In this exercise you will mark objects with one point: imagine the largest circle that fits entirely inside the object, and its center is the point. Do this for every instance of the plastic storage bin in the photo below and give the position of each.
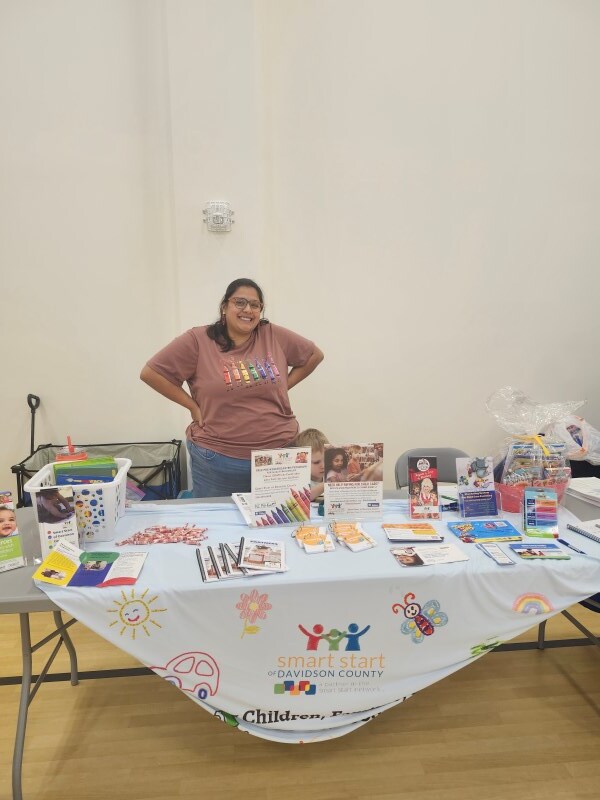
(155, 471)
(98, 506)
(511, 497)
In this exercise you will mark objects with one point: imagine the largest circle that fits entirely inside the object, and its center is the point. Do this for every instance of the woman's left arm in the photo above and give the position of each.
(297, 374)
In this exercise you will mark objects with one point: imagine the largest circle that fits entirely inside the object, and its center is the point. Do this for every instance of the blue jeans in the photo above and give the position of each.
(215, 475)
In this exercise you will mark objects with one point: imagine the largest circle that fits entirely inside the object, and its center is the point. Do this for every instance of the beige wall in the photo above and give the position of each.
(415, 185)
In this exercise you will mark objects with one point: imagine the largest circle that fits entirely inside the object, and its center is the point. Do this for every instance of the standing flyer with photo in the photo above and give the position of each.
(11, 554)
(55, 512)
(476, 490)
(354, 481)
(280, 486)
(423, 488)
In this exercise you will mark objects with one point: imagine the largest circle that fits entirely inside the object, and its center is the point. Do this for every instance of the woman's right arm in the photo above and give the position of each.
(171, 391)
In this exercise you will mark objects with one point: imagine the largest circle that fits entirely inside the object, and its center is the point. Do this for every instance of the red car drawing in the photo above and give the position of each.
(196, 673)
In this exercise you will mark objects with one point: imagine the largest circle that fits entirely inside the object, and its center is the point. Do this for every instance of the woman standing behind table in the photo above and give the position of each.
(237, 373)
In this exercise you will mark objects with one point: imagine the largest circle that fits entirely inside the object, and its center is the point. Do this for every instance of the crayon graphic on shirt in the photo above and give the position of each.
(245, 373)
(236, 373)
(227, 377)
(253, 371)
(261, 370)
(273, 365)
(269, 370)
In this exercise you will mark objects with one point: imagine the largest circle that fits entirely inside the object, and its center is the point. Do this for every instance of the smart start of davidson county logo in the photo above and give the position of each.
(323, 659)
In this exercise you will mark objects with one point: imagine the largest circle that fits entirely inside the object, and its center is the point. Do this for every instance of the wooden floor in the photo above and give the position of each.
(521, 725)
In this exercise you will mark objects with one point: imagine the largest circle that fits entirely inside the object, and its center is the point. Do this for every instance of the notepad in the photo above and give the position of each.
(591, 529)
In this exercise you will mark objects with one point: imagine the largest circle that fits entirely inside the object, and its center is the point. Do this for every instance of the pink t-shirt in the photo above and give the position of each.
(242, 394)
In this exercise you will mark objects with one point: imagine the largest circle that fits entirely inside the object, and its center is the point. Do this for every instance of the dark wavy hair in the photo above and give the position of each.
(218, 330)
(331, 453)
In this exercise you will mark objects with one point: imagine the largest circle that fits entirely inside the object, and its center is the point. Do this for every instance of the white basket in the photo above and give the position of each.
(98, 506)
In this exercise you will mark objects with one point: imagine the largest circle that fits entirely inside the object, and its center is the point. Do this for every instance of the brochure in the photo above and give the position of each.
(476, 491)
(540, 512)
(262, 554)
(423, 488)
(539, 550)
(280, 483)
(11, 553)
(485, 530)
(352, 535)
(411, 532)
(67, 565)
(427, 555)
(314, 539)
(353, 487)
(55, 510)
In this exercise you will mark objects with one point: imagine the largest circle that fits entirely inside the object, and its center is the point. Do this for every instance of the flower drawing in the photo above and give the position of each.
(253, 606)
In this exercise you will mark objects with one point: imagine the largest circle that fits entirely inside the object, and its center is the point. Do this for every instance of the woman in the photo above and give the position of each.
(237, 373)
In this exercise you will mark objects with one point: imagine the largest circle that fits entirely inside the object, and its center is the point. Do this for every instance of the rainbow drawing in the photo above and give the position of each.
(532, 604)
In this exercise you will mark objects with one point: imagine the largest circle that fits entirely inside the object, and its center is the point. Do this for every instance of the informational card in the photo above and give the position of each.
(411, 532)
(280, 484)
(476, 491)
(11, 554)
(529, 550)
(67, 565)
(423, 499)
(427, 555)
(354, 481)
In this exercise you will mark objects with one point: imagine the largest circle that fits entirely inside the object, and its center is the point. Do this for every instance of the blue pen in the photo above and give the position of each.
(570, 546)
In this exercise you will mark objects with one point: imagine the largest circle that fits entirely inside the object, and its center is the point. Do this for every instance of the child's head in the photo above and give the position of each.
(336, 459)
(8, 521)
(316, 440)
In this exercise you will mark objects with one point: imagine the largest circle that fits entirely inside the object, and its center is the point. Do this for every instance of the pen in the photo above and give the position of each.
(570, 546)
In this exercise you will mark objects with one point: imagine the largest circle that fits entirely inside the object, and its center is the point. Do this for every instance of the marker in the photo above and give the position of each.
(570, 546)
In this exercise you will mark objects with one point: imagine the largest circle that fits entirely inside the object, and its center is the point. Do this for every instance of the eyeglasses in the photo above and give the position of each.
(241, 303)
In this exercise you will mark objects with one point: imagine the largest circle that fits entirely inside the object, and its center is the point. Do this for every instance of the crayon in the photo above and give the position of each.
(253, 371)
(287, 514)
(296, 510)
(301, 501)
(245, 372)
(261, 369)
(273, 365)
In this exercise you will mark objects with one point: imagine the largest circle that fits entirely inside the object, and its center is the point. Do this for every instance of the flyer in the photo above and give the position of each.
(423, 488)
(55, 511)
(67, 565)
(476, 490)
(354, 481)
(280, 482)
(11, 553)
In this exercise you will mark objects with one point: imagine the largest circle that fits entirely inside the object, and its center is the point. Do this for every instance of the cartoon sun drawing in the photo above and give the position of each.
(135, 612)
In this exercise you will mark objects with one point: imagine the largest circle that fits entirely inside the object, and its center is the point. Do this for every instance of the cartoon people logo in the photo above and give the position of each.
(135, 613)
(252, 606)
(334, 637)
(421, 621)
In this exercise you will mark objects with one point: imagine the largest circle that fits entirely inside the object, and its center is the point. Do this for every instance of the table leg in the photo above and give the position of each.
(26, 653)
(58, 621)
(28, 693)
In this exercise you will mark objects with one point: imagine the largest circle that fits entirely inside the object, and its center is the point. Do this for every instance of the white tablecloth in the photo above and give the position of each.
(250, 651)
